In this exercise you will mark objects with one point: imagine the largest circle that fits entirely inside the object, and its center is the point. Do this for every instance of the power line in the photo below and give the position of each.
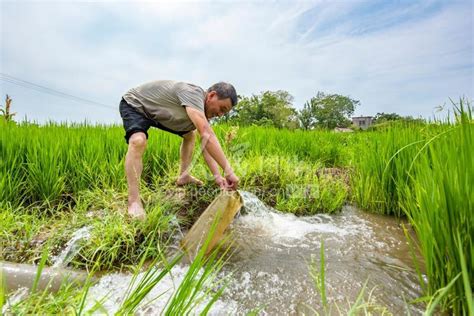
(33, 86)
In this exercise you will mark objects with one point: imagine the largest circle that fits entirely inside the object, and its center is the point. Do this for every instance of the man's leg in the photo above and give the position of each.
(187, 148)
(133, 169)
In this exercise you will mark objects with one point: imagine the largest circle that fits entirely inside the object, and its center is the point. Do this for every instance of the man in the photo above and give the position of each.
(179, 108)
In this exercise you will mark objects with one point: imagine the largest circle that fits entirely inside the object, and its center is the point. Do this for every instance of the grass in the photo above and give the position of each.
(57, 178)
(427, 174)
(364, 304)
(438, 200)
(198, 286)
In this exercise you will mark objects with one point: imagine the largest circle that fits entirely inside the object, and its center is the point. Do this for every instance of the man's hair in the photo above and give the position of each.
(224, 90)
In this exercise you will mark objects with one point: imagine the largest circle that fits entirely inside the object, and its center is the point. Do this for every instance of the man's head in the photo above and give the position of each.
(220, 99)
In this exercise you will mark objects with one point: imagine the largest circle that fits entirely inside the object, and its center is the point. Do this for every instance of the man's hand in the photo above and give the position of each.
(232, 181)
(220, 181)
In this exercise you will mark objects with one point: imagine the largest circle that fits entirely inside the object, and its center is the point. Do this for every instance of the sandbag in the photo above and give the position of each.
(223, 209)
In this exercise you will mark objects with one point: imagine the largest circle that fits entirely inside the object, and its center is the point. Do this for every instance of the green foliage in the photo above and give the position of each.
(322, 195)
(426, 172)
(198, 286)
(57, 178)
(293, 186)
(384, 117)
(305, 117)
(318, 276)
(192, 290)
(361, 306)
(327, 111)
(267, 109)
(382, 161)
(52, 163)
(389, 120)
(438, 199)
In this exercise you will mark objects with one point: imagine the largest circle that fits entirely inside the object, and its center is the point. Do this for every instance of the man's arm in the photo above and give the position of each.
(208, 138)
(221, 181)
(211, 163)
(210, 143)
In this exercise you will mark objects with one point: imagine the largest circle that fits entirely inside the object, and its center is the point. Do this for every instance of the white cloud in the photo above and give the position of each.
(98, 50)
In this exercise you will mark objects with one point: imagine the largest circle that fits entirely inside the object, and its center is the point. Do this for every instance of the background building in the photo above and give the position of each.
(363, 121)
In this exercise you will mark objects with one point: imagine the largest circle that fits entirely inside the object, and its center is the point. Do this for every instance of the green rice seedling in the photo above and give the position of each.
(361, 306)
(151, 277)
(56, 161)
(319, 276)
(12, 176)
(438, 200)
(425, 173)
(18, 231)
(189, 293)
(465, 278)
(46, 181)
(67, 300)
(382, 165)
(12, 179)
(202, 271)
(323, 146)
(3, 287)
(47, 163)
(116, 239)
(441, 294)
(325, 194)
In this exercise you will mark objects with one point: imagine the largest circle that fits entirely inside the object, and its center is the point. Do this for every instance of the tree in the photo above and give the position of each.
(305, 117)
(384, 117)
(327, 111)
(270, 108)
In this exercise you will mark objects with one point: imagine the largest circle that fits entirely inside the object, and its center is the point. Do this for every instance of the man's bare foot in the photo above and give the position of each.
(136, 211)
(187, 179)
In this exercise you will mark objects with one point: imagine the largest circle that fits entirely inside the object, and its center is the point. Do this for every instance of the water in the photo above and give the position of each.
(72, 247)
(272, 253)
(269, 268)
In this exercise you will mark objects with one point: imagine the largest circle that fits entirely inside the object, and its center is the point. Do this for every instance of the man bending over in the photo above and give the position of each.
(179, 108)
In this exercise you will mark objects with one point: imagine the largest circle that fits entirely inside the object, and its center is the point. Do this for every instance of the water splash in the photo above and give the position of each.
(269, 269)
(114, 287)
(288, 229)
(72, 247)
(13, 299)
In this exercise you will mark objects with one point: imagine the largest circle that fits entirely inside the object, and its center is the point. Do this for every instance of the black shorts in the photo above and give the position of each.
(134, 121)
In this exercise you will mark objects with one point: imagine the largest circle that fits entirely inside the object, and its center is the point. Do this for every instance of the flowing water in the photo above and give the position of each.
(72, 248)
(272, 252)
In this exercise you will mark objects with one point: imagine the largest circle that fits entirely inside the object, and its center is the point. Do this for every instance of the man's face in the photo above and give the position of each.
(215, 107)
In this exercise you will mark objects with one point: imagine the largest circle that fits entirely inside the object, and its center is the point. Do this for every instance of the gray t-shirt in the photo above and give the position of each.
(164, 101)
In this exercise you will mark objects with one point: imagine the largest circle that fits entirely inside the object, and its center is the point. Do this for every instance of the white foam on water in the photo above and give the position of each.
(285, 227)
(112, 291)
(256, 287)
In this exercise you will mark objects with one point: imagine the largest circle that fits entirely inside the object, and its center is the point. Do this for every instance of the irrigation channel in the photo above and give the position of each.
(272, 252)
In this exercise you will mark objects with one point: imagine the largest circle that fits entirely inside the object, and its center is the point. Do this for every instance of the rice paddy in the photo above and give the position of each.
(57, 178)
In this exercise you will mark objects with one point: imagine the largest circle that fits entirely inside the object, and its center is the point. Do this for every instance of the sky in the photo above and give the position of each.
(407, 57)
